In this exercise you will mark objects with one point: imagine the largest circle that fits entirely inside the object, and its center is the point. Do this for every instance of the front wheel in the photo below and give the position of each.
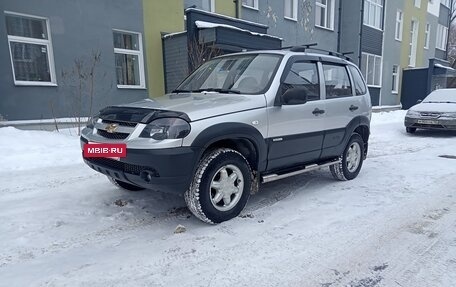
(221, 186)
(125, 185)
(351, 160)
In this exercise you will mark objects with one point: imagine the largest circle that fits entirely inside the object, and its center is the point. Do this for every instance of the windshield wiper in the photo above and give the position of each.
(177, 91)
(218, 90)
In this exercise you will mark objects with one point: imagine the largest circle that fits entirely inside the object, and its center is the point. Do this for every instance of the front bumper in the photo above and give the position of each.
(169, 170)
(424, 123)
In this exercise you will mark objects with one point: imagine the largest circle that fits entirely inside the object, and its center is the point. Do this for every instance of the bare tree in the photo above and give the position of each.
(82, 78)
(198, 53)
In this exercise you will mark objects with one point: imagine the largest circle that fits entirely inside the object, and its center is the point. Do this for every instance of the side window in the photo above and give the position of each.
(303, 75)
(360, 87)
(337, 82)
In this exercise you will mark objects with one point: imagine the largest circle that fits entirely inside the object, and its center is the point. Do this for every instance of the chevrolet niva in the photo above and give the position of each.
(237, 121)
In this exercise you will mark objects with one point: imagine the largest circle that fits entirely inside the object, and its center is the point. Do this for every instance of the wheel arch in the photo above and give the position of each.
(243, 138)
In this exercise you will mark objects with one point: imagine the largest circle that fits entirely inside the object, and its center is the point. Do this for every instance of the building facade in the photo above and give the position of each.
(61, 59)
(68, 59)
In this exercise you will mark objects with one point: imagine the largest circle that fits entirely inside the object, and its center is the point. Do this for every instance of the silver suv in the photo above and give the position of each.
(237, 121)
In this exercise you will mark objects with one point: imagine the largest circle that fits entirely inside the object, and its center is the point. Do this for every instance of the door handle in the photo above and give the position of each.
(353, 108)
(317, 112)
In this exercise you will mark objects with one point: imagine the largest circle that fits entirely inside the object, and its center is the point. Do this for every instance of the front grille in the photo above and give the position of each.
(428, 126)
(430, 115)
(124, 124)
(115, 136)
(122, 166)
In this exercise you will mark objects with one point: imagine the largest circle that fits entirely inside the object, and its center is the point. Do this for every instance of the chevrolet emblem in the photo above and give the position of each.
(111, 128)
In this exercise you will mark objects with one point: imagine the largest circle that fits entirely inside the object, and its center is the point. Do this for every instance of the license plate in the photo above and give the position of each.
(428, 122)
(111, 151)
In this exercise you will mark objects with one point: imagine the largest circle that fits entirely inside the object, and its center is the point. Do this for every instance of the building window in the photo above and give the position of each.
(129, 59)
(399, 25)
(413, 42)
(373, 13)
(30, 47)
(442, 34)
(417, 3)
(209, 5)
(371, 67)
(250, 4)
(324, 14)
(395, 83)
(291, 9)
(427, 35)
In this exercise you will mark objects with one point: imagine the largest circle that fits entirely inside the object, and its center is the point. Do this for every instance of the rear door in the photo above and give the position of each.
(296, 131)
(342, 106)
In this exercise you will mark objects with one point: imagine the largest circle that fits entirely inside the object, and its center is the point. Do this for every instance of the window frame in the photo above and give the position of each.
(417, 4)
(347, 72)
(395, 76)
(287, 70)
(254, 7)
(294, 7)
(399, 25)
(139, 53)
(27, 40)
(211, 4)
(330, 13)
(365, 70)
(382, 14)
(427, 35)
(441, 37)
(413, 51)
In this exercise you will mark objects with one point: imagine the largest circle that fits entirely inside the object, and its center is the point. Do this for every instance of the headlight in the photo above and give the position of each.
(411, 113)
(449, 115)
(92, 121)
(166, 128)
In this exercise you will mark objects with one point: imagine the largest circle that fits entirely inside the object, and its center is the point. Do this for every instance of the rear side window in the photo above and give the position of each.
(360, 87)
(303, 75)
(337, 82)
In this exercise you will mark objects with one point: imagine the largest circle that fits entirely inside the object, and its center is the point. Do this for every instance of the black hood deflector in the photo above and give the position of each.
(138, 115)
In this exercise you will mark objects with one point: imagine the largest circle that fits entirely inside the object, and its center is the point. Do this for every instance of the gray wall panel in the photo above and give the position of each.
(77, 28)
(371, 41)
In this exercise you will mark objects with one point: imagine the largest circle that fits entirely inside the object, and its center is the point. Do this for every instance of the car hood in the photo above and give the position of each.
(199, 106)
(435, 107)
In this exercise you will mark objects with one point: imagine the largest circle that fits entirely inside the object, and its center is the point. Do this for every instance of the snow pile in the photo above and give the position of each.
(21, 150)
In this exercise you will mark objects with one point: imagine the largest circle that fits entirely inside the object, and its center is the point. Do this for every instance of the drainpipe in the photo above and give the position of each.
(361, 33)
(449, 29)
(339, 21)
(236, 7)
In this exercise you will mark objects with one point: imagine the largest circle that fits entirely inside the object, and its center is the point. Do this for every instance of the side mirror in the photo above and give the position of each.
(294, 96)
(419, 101)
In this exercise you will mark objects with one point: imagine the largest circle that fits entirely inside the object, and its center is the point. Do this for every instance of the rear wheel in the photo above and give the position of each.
(410, 130)
(221, 186)
(125, 185)
(351, 160)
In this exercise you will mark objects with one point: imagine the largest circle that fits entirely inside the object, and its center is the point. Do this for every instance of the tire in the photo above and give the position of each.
(410, 130)
(351, 160)
(125, 185)
(221, 186)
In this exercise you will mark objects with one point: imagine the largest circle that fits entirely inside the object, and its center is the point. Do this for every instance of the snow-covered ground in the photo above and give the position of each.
(394, 225)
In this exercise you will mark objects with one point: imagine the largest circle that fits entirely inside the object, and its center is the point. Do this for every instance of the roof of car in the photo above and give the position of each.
(284, 52)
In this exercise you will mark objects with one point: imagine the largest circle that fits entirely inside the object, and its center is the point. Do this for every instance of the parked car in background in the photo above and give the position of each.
(436, 111)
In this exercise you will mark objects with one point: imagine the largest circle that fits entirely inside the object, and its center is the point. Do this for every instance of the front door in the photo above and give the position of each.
(296, 129)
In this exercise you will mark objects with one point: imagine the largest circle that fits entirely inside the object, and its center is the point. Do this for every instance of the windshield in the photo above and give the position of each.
(441, 96)
(244, 74)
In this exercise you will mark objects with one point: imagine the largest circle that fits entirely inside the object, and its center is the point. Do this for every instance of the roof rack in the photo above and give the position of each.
(303, 48)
